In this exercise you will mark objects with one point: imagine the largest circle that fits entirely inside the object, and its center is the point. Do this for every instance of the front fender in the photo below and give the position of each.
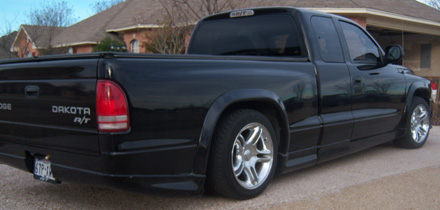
(417, 89)
(421, 89)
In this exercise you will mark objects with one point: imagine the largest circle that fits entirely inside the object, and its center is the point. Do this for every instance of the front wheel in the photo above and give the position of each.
(244, 155)
(418, 125)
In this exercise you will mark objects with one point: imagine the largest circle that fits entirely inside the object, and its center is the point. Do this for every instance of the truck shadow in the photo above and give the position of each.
(19, 191)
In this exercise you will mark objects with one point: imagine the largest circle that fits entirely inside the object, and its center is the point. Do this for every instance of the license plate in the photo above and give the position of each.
(43, 171)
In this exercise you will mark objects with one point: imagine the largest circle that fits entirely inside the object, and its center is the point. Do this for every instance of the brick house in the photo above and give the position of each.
(130, 21)
(409, 23)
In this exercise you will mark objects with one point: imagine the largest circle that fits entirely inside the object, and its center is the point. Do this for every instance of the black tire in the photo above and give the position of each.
(418, 124)
(234, 170)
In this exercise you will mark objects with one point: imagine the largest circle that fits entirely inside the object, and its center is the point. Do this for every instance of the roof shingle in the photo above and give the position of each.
(42, 36)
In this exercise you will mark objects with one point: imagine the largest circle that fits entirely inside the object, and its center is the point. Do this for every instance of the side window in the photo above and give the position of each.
(360, 46)
(327, 39)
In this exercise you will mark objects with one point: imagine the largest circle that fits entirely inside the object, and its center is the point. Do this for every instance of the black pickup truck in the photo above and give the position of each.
(263, 91)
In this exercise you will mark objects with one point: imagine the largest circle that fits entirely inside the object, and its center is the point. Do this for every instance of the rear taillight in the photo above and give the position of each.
(111, 107)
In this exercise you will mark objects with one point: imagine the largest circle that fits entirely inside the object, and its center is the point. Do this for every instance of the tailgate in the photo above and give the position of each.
(50, 104)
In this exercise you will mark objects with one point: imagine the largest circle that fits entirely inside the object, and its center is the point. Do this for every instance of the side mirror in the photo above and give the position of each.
(394, 54)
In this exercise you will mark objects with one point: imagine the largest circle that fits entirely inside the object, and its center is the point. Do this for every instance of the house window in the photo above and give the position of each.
(425, 56)
(70, 51)
(135, 46)
(29, 54)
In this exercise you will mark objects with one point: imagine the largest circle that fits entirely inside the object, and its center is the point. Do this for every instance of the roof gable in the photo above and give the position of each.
(39, 36)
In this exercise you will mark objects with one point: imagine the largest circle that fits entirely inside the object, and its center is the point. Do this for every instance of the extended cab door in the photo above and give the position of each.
(378, 90)
(334, 87)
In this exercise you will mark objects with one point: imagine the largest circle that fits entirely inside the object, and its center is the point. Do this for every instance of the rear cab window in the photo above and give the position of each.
(327, 39)
(261, 35)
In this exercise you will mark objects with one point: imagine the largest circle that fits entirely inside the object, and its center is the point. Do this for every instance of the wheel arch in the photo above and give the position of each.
(418, 89)
(264, 101)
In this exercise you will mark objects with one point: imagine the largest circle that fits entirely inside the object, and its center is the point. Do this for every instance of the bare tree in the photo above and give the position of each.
(431, 3)
(104, 4)
(6, 39)
(435, 3)
(170, 39)
(46, 22)
(58, 14)
(194, 10)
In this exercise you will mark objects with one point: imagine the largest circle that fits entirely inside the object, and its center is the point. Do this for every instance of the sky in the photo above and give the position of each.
(13, 13)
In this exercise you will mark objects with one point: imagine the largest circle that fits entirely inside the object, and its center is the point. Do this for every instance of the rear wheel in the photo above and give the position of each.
(418, 125)
(244, 155)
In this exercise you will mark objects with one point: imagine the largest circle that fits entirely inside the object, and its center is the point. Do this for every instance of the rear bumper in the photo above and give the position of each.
(120, 171)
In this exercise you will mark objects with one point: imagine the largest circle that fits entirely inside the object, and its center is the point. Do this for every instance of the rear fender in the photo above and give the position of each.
(228, 100)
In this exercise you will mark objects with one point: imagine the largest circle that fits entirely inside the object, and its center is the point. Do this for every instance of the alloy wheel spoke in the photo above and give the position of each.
(416, 134)
(255, 136)
(237, 156)
(251, 174)
(263, 159)
(264, 156)
(264, 152)
(422, 131)
(423, 115)
(241, 138)
(239, 169)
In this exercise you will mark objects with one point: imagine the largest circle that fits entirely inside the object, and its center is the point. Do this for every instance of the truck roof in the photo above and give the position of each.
(280, 9)
(266, 10)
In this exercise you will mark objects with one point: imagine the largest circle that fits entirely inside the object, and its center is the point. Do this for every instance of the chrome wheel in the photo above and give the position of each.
(252, 156)
(419, 123)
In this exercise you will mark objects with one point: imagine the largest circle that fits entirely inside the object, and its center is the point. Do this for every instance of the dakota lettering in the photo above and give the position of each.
(71, 110)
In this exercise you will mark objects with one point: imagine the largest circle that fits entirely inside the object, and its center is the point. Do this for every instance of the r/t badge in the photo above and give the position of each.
(83, 120)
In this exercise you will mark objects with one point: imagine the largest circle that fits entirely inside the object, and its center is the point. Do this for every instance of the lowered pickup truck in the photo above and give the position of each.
(263, 91)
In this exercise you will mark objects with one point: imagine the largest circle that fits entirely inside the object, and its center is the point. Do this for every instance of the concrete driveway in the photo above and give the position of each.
(383, 177)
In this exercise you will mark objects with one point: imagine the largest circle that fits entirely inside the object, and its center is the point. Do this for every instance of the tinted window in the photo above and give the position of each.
(266, 35)
(360, 46)
(327, 39)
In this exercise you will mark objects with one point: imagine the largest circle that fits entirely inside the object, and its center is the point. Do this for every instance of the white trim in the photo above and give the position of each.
(76, 43)
(134, 27)
(377, 13)
(142, 26)
(16, 37)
